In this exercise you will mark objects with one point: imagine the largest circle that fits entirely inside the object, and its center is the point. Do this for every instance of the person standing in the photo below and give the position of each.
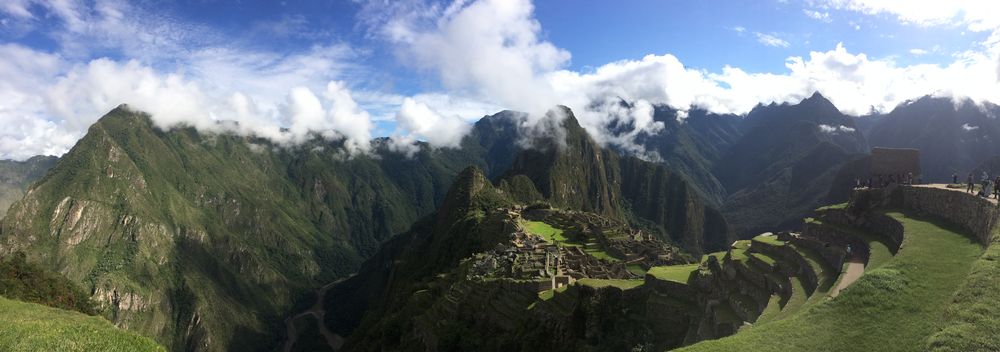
(996, 188)
(971, 183)
(954, 178)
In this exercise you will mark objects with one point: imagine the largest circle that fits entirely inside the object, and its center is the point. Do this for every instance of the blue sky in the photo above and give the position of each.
(424, 70)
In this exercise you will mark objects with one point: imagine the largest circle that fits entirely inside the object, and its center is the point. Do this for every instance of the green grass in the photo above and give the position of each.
(676, 273)
(595, 250)
(718, 256)
(555, 235)
(833, 206)
(739, 250)
(622, 284)
(892, 308)
(769, 239)
(34, 327)
(771, 311)
(636, 269)
(548, 294)
(549, 233)
(973, 317)
(765, 258)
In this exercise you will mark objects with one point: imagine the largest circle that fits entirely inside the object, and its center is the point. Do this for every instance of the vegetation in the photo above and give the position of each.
(769, 239)
(32, 327)
(24, 281)
(892, 308)
(549, 233)
(16, 176)
(973, 316)
(676, 273)
(622, 284)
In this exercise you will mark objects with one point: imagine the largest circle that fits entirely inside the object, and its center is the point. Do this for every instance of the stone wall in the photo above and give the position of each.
(976, 215)
(862, 215)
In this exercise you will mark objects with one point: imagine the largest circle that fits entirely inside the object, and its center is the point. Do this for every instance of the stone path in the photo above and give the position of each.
(854, 270)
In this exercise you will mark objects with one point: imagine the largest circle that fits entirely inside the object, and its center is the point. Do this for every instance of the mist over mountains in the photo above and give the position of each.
(193, 221)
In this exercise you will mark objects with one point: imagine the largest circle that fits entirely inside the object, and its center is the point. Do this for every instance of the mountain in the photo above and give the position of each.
(765, 170)
(433, 288)
(952, 136)
(567, 170)
(206, 241)
(15, 176)
(573, 172)
(693, 145)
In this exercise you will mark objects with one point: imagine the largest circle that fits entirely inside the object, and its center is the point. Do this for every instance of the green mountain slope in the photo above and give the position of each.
(16, 176)
(205, 241)
(423, 290)
(33, 327)
(575, 173)
(784, 164)
(29, 282)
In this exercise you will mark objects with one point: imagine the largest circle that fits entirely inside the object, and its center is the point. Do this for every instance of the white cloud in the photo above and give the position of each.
(739, 29)
(976, 15)
(816, 15)
(490, 49)
(968, 127)
(835, 129)
(347, 119)
(487, 54)
(918, 52)
(771, 40)
(416, 120)
(16, 8)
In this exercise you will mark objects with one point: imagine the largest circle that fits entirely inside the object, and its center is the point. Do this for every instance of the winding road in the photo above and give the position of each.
(335, 341)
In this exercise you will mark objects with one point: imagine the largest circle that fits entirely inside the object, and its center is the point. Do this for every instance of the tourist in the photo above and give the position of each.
(954, 178)
(971, 183)
(996, 188)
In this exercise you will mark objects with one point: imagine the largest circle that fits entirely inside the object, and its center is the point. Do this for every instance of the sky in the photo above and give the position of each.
(424, 70)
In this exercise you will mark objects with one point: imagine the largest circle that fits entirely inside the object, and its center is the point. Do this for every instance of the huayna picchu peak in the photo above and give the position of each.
(499, 175)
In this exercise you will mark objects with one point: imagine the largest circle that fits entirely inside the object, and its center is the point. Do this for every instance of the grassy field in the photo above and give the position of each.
(769, 239)
(556, 235)
(547, 232)
(636, 269)
(622, 284)
(895, 307)
(718, 256)
(676, 273)
(34, 327)
(973, 317)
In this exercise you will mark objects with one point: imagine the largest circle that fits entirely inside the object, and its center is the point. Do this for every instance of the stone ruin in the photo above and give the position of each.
(526, 256)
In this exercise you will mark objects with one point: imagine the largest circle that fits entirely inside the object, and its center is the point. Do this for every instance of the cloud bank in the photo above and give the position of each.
(483, 56)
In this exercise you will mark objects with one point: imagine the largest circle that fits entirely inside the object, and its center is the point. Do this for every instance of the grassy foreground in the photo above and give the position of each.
(895, 307)
(34, 327)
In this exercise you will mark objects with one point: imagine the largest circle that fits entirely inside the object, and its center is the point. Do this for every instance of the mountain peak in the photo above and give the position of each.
(816, 99)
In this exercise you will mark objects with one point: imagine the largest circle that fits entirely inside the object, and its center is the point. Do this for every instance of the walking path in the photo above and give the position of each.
(854, 270)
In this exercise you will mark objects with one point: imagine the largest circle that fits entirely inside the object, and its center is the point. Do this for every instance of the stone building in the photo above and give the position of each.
(896, 162)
